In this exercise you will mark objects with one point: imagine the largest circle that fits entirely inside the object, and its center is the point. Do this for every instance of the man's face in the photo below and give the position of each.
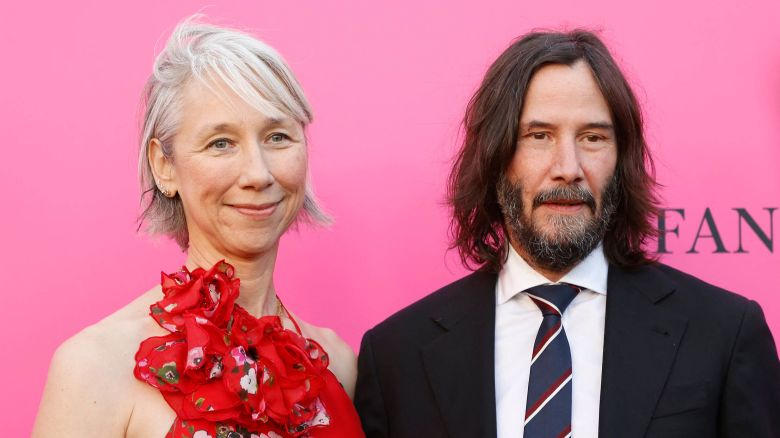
(559, 192)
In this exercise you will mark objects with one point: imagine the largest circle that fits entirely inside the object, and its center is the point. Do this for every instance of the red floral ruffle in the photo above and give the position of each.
(223, 370)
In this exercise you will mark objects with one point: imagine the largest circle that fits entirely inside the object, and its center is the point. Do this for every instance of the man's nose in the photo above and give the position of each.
(567, 165)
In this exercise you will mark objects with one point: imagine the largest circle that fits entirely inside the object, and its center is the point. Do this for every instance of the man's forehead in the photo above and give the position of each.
(561, 94)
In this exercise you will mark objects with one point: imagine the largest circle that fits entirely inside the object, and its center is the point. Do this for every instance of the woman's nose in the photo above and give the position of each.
(255, 169)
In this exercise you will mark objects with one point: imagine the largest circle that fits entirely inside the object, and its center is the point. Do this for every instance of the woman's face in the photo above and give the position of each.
(240, 173)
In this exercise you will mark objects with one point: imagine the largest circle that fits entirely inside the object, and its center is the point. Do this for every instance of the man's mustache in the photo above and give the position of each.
(564, 194)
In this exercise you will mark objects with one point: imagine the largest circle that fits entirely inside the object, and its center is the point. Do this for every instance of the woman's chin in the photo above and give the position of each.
(248, 245)
(255, 249)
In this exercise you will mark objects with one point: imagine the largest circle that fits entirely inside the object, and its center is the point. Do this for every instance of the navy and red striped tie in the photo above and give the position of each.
(548, 409)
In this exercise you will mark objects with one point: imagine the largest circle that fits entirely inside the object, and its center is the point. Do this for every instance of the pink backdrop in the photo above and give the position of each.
(388, 85)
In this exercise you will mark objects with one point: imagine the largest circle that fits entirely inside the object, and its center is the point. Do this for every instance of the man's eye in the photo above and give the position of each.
(592, 138)
(538, 135)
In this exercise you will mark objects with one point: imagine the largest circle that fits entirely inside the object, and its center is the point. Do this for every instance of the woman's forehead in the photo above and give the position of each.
(214, 103)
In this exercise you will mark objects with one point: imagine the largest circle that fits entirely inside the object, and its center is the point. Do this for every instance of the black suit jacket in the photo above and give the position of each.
(682, 359)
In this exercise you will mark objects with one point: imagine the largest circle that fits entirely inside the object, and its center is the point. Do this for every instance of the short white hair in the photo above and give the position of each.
(210, 54)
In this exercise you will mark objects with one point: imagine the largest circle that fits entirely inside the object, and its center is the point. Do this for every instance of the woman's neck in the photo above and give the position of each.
(257, 293)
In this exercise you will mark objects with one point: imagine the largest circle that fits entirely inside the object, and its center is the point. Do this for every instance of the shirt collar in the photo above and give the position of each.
(517, 275)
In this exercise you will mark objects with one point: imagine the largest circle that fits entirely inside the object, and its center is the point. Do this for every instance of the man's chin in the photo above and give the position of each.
(548, 217)
(553, 236)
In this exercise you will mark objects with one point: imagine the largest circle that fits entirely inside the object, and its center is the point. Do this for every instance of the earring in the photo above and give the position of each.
(162, 189)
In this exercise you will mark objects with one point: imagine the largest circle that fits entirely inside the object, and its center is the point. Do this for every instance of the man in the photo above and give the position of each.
(567, 327)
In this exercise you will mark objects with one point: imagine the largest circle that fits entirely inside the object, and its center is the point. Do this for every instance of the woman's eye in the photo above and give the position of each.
(220, 144)
(278, 137)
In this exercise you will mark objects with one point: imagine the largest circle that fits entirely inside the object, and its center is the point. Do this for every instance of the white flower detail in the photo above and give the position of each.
(239, 355)
(214, 293)
(266, 375)
(216, 369)
(201, 434)
(321, 418)
(249, 381)
(195, 357)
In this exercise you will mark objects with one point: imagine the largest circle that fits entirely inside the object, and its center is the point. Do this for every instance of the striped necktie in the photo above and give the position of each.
(548, 408)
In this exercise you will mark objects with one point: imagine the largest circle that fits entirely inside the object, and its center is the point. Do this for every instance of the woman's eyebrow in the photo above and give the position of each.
(210, 129)
(227, 126)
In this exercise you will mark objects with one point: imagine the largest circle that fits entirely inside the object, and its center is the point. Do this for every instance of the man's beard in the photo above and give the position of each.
(571, 237)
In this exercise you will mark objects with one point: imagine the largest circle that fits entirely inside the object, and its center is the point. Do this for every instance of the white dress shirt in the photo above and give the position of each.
(517, 322)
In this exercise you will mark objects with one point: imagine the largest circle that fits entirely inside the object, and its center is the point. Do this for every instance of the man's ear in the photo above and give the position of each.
(162, 168)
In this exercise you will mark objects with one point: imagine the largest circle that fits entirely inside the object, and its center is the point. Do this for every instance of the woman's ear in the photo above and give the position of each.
(162, 169)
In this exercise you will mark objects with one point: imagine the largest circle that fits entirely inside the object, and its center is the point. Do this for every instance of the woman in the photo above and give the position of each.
(223, 162)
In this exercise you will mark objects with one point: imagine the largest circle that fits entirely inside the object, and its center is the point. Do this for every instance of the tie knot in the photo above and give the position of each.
(553, 299)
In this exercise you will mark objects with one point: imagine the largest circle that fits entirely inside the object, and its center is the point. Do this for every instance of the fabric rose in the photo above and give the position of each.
(276, 372)
(206, 294)
(224, 371)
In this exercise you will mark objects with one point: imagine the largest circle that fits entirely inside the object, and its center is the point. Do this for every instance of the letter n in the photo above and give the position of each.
(768, 241)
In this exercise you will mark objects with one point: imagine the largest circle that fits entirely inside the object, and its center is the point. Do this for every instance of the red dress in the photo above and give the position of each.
(227, 374)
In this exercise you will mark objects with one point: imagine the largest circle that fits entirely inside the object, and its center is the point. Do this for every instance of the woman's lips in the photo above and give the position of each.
(256, 211)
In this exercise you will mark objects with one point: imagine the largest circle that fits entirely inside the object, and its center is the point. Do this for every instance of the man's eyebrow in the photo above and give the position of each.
(536, 124)
(599, 125)
(546, 125)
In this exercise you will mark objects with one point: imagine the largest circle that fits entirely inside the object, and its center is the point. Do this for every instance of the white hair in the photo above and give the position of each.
(210, 54)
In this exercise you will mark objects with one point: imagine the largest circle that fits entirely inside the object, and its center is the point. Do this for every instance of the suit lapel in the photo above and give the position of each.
(459, 363)
(640, 345)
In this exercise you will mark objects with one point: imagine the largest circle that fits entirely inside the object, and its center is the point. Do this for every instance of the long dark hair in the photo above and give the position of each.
(491, 127)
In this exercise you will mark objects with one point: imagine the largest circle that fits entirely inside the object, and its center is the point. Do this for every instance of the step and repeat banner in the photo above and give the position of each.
(389, 84)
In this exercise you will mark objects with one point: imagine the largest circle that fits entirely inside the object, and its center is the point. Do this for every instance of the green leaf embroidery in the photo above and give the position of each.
(169, 373)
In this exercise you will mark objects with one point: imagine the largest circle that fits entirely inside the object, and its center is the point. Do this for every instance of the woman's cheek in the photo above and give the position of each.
(290, 169)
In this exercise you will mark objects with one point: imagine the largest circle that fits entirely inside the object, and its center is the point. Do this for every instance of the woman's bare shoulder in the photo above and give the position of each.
(116, 337)
(343, 362)
(85, 377)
